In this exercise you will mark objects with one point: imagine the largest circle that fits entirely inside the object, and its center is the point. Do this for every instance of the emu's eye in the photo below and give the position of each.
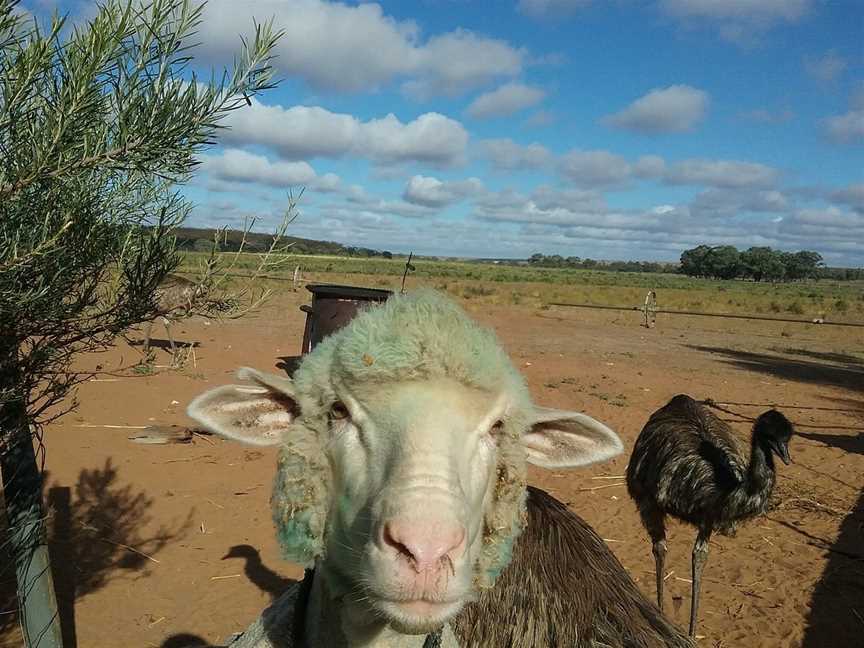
(338, 411)
(496, 429)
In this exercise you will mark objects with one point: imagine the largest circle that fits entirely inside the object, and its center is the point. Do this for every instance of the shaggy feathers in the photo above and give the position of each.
(563, 589)
(688, 463)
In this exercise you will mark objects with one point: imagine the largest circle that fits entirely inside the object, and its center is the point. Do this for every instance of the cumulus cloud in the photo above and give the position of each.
(594, 168)
(675, 109)
(234, 165)
(847, 128)
(507, 155)
(432, 192)
(306, 132)
(730, 202)
(456, 62)
(650, 167)
(355, 48)
(545, 8)
(825, 68)
(737, 20)
(721, 173)
(853, 196)
(508, 99)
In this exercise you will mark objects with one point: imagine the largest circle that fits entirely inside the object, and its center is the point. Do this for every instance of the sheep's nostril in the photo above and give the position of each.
(425, 546)
(391, 541)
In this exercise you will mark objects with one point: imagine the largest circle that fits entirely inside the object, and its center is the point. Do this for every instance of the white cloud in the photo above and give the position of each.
(847, 128)
(733, 201)
(543, 8)
(594, 168)
(721, 173)
(234, 165)
(458, 61)
(825, 68)
(505, 100)
(305, 132)
(675, 109)
(505, 154)
(432, 192)
(357, 48)
(738, 9)
(650, 167)
(738, 20)
(853, 196)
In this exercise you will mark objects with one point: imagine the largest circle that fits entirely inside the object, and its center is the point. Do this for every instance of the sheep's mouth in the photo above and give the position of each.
(416, 616)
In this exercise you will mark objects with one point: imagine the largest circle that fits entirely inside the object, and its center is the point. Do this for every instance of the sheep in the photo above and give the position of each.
(563, 588)
(401, 479)
(688, 463)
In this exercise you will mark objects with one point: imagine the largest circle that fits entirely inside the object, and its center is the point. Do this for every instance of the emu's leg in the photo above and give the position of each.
(170, 338)
(655, 523)
(145, 349)
(700, 557)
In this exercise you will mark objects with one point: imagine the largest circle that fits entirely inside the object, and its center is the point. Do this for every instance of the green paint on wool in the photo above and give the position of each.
(299, 544)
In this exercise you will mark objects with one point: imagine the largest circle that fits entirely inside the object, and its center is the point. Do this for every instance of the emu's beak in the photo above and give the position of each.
(783, 452)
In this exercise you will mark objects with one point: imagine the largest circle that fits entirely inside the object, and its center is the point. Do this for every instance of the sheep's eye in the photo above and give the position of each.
(496, 429)
(338, 411)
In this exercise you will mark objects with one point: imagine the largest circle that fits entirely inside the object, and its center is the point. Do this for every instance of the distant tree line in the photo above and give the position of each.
(201, 239)
(756, 263)
(557, 261)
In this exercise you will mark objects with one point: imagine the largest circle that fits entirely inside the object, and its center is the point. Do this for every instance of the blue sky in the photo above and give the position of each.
(610, 129)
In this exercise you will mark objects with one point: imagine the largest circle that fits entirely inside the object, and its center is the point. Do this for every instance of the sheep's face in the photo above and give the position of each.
(423, 492)
(413, 470)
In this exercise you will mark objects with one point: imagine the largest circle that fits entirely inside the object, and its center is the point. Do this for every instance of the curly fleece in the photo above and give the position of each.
(418, 336)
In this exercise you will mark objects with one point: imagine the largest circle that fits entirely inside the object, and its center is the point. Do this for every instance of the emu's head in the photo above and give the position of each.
(404, 440)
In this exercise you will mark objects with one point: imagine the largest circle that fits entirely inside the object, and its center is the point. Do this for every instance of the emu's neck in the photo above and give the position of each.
(760, 475)
(335, 622)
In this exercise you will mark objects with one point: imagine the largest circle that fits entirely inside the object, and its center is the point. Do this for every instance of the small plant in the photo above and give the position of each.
(144, 368)
(796, 308)
(477, 291)
(841, 305)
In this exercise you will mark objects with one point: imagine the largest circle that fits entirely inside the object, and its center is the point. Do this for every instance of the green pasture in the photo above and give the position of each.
(503, 284)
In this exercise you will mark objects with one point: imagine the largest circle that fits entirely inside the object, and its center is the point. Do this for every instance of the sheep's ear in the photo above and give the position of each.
(256, 414)
(560, 439)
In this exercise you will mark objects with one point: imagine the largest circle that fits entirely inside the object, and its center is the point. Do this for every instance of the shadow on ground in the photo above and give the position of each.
(185, 641)
(94, 536)
(819, 368)
(846, 442)
(257, 572)
(837, 608)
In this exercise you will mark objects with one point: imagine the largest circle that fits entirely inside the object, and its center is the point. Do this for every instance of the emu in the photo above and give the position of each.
(687, 463)
(173, 297)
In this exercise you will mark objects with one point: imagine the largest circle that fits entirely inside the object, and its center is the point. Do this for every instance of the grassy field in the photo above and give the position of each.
(502, 284)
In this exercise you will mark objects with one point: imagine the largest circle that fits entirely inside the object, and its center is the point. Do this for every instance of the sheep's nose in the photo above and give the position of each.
(426, 544)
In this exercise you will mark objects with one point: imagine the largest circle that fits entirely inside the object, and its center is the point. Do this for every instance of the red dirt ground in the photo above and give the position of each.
(792, 578)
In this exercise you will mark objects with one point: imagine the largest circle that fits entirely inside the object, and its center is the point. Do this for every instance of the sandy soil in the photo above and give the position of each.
(198, 512)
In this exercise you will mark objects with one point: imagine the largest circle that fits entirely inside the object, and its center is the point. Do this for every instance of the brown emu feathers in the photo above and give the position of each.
(687, 463)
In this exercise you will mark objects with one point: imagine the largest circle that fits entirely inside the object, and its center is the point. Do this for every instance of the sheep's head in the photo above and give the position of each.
(404, 445)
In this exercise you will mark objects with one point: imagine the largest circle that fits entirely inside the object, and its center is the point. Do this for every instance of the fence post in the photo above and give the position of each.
(22, 492)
